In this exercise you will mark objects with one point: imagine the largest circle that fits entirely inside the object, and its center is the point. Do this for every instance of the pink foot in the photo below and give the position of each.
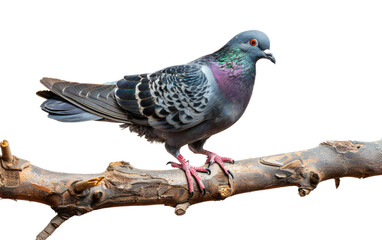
(214, 158)
(191, 171)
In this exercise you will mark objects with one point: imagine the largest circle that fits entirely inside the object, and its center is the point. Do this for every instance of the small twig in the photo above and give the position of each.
(51, 227)
(181, 208)
(6, 151)
(337, 182)
(81, 186)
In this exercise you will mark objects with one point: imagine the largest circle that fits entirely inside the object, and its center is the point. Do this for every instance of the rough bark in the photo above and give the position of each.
(123, 185)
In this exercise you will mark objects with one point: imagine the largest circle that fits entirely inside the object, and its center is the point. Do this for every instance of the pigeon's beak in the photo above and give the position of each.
(270, 57)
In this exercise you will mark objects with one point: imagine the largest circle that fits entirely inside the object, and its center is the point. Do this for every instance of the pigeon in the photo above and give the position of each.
(178, 105)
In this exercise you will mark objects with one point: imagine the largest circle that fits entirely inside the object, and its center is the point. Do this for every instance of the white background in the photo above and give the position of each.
(326, 85)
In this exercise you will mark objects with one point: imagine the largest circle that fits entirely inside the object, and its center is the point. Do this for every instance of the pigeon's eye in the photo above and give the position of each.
(253, 42)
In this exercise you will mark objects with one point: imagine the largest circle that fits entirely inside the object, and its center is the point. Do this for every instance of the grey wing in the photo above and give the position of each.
(173, 99)
(97, 99)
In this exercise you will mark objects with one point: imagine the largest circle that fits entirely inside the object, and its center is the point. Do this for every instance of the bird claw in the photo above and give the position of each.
(214, 158)
(191, 172)
(204, 191)
(208, 171)
(168, 163)
(230, 173)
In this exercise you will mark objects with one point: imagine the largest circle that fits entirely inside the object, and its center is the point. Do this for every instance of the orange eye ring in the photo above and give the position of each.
(253, 42)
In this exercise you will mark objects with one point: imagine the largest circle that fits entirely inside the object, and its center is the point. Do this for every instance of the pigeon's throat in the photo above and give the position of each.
(234, 70)
(236, 82)
(235, 64)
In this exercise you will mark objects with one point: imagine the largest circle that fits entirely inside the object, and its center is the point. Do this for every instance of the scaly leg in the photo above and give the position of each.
(190, 171)
(197, 147)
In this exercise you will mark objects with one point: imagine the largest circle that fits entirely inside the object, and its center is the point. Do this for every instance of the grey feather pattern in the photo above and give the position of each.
(179, 91)
(97, 99)
(172, 99)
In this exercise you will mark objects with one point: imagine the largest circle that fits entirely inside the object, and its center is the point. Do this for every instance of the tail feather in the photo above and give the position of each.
(75, 102)
(66, 112)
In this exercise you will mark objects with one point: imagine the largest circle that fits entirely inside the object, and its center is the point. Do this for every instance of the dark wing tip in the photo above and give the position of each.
(45, 94)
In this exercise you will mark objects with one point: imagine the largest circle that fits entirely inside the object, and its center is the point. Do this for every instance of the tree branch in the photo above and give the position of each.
(123, 185)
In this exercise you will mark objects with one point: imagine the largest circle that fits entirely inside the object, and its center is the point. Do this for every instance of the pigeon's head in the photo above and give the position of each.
(254, 43)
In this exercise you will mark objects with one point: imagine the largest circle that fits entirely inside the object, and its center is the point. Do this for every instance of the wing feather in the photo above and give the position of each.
(97, 99)
(172, 99)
